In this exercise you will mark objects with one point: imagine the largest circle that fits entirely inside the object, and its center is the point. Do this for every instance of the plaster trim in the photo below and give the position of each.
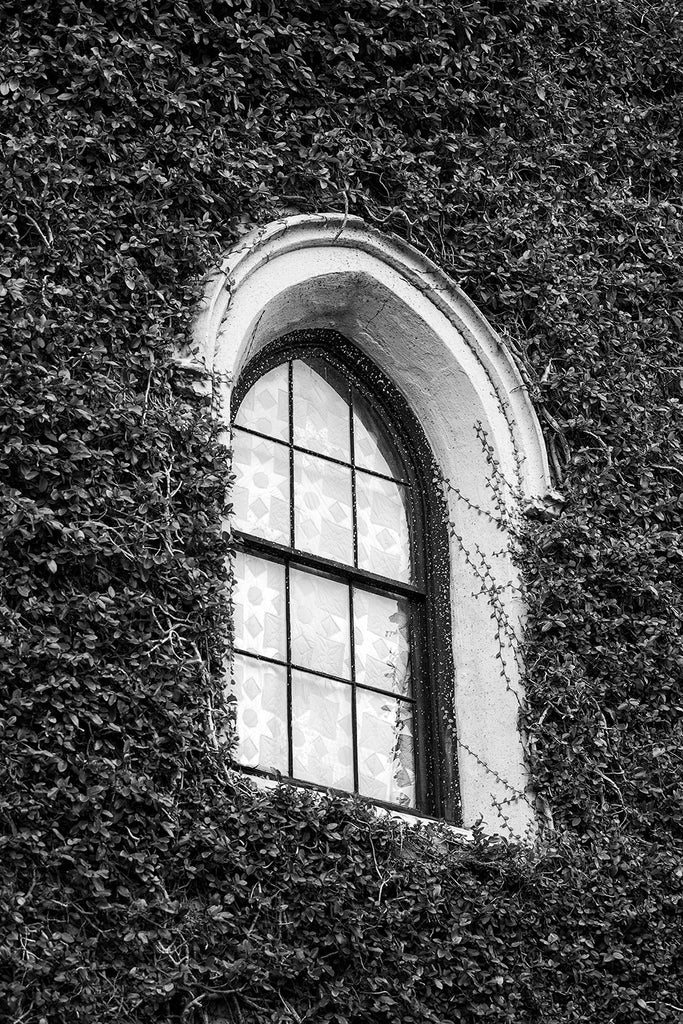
(263, 245)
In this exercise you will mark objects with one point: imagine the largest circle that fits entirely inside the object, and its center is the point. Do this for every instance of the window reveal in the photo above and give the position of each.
(330, 667)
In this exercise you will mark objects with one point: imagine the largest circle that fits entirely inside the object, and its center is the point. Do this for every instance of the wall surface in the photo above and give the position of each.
(532, 153)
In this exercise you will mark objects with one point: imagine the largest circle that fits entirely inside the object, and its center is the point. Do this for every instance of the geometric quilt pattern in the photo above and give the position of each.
(382, 641)
(383, 536)
(372, 448)
(321, 414)
(259, 600)
(321, 727)
(260, 690)
(323, 517)
(324, 671)
(386, 765)
(265, 407)
(319, 616)
(260, 494)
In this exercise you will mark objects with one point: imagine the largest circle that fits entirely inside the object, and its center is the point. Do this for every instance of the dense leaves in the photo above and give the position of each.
(533, 150)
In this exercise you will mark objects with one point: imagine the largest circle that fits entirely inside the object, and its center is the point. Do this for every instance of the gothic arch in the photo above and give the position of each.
(328, 271)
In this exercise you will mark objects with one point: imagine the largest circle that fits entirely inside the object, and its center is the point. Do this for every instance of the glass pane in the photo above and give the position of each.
(319, 615)
(259, 599)
(372, 448)
(321, 729)
(265, 407)
(382, 641)
(261, 693)
(386, 763)
(321, 410)
(322, 508)
(383, 537)
(260, 494)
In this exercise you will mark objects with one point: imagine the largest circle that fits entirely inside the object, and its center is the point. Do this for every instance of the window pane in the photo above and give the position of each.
(259, 600)
(265, 407)
(260, 494)
(321, 728)
(261, 693)
(383, 537)
(386, 764)
(382, 641)
(321, 410)
(319, 615)
(322, 508)
(372, 448)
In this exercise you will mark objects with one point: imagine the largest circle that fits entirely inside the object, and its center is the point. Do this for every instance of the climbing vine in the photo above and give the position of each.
(533, 151)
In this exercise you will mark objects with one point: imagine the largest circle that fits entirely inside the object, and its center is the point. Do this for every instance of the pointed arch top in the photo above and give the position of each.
(328, 270)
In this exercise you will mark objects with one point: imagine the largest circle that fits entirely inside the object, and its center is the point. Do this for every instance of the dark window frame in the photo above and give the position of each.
(437, 791)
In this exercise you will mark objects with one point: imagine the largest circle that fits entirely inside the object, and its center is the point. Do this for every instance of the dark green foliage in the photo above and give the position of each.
(533, 150)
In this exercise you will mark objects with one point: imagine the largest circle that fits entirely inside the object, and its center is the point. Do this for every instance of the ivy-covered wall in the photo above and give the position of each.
(533, 151)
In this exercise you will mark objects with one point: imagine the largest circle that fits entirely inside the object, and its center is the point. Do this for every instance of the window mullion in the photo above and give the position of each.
(288, 632)
(288, 618)
(424, 706)
(352, 452)
(338, 570)
(352, 638)
(354, 719)
(290, 400)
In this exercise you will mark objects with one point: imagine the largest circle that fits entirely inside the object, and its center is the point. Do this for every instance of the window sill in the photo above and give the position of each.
(410, 818)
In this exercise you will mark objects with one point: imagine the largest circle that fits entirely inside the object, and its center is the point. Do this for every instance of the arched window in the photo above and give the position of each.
(341, 580)
(461, 392)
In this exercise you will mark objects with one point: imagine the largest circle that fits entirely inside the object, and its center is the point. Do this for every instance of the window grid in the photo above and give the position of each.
(350, 464)
(319, 672)
(290, 665)
(379, 402)
(320, 455)
(309, 560)
(351, 575)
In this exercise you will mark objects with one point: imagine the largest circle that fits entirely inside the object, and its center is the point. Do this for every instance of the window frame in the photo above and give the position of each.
(436, 770)
(464, 385)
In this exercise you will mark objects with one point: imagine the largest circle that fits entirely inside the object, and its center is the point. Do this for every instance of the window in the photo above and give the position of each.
(460, 388)
(341, 638)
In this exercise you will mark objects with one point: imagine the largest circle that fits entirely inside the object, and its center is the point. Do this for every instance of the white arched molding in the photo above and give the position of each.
(330, 271)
